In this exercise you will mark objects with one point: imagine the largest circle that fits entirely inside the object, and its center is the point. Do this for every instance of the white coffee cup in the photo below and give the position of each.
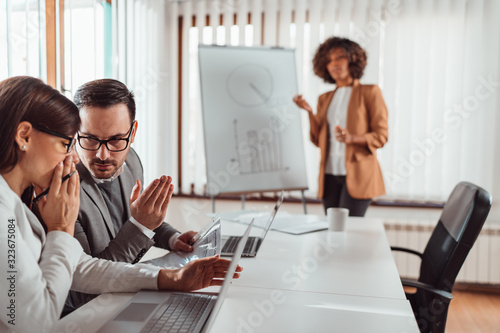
(336, 218)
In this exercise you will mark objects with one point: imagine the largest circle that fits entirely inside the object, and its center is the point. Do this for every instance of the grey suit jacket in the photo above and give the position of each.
(94, 227)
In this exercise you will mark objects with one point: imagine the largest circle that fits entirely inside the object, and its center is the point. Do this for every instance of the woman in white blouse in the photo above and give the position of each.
(41, 261)
(350, 125)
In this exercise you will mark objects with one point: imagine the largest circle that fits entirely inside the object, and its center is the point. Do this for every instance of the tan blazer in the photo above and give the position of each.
(367, 116)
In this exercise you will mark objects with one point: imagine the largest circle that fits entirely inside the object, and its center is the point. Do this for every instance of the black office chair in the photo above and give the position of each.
(461, 221)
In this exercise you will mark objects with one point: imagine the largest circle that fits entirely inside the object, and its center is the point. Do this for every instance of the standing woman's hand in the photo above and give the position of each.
(343, 135)
(59, 208)
(301, 103)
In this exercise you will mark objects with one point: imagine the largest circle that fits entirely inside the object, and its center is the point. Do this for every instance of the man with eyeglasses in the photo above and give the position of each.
(116, 221)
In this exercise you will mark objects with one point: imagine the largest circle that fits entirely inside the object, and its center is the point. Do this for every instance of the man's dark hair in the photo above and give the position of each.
(105, 93)
(355, 54)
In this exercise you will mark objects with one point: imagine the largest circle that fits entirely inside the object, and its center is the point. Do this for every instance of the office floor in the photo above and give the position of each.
(474, 312)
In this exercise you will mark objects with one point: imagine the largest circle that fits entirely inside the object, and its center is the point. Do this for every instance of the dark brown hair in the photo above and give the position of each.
(104, 93)
(355, 54)
(25, 98)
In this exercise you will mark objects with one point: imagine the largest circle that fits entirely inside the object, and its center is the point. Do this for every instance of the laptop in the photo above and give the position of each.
(253, 243)
(156, 311)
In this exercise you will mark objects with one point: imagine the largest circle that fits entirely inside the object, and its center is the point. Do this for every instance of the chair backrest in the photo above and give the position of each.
(460, 223)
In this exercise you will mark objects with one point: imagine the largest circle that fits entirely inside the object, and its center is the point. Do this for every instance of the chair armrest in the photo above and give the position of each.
(419, 285)
(402, 249)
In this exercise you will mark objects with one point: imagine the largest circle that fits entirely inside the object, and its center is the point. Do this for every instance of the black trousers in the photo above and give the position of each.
(335, 195)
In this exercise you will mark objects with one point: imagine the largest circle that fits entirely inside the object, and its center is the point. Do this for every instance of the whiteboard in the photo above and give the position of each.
(252, 128)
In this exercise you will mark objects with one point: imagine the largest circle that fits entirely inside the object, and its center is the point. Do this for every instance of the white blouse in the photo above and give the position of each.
(38, 269)
(337, 115)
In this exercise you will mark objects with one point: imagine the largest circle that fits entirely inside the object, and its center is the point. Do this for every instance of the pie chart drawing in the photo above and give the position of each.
(250, 85)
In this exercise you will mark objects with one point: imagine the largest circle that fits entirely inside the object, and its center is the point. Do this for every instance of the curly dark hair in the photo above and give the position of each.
(355, 54)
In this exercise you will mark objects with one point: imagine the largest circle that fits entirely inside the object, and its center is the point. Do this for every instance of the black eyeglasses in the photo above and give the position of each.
(71, 140)
(113, 145)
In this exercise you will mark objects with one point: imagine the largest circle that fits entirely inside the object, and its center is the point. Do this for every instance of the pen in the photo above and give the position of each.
(44, 193)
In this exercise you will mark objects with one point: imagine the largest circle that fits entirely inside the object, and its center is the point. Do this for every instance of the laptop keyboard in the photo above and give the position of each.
(181, 313)
(232, 241)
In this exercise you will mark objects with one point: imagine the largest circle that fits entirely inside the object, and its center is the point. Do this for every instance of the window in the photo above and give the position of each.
(87, 42)
(22, 39)
(435, 61)
(31, 42)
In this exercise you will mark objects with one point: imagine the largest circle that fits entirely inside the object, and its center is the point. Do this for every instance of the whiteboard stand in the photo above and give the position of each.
(304, 202)
(243, 199)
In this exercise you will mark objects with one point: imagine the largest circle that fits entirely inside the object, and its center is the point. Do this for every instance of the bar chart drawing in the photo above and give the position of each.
(259, 150)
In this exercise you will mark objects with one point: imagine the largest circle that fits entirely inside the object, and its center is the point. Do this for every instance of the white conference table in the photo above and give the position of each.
(356, 262)
(317, 282)
(249, 309)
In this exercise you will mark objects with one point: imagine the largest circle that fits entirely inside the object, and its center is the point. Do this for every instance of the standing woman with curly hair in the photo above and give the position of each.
(349, 126)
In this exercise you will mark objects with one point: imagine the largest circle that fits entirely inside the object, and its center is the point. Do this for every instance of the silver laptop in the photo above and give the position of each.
(253, 243)
(156, 311)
